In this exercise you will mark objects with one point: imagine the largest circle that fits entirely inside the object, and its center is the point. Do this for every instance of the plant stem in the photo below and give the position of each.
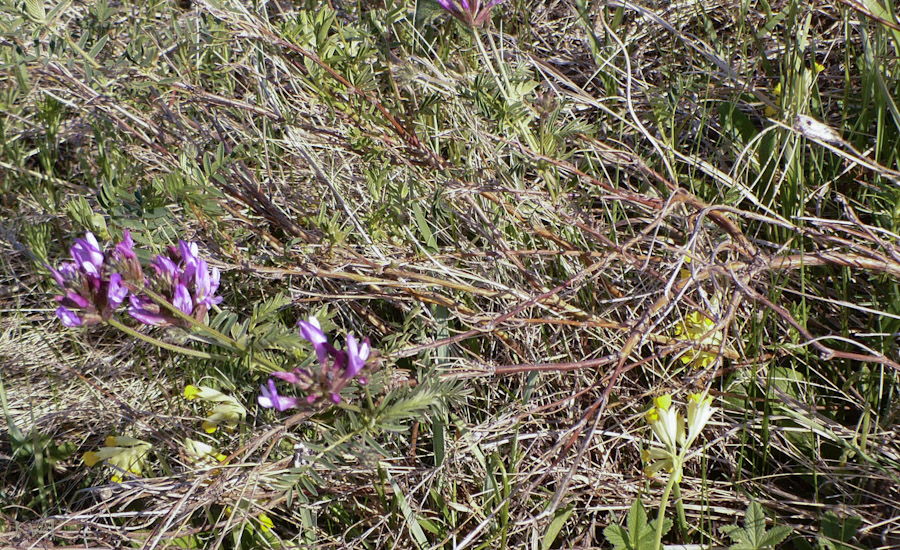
(679, 510)
(165, 345)
(661, 516)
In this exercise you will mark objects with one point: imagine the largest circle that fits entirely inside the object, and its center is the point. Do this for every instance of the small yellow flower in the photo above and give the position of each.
(125, 454)
(200, 452)
(699, 411)
(667, 423)
(657, 459)
(694, 326)
(227, 412)
(668, 426)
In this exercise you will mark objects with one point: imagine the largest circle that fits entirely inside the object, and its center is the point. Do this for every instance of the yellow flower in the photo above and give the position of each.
(699, 411)
(668, 426)
(200, 452)
(228, 412)
(657, 459)
(124, 454)
(694, 326)
(667, 423)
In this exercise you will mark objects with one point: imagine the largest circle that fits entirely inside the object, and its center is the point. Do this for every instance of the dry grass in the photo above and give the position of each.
(537, 249)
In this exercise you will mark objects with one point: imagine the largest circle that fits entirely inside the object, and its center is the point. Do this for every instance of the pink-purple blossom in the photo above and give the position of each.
(334, 370)
(270, 399)
(184, 280)
(92, 288)
(473, 13)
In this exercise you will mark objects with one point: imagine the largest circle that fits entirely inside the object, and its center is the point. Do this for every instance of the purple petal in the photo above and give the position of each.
(312, 331)
(447, 5)
(68, 270)
(189, 257)
(117, 292)
(270, 399)
(68, 317)
(138, 310)
(356, 356)
(465, 4)
(288, 377)
(57, 275)
(125, 249)
(182, 299)
(214, 282)
(87, 255)
(206, 285)
(335, 398)
(166, 269)
(77, 299)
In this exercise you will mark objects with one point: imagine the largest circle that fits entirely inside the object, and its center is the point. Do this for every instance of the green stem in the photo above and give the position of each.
(661, 516)
(165, 345)
(679, 510)
(193, 322)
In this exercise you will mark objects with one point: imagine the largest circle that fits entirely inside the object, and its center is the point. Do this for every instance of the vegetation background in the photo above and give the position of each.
(524, 218)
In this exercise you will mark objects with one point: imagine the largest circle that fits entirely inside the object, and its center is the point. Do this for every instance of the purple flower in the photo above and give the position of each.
(470, 12)
(312, 331)
(145, 311)
(189, 257)
(87, 255)
(166, 270)
(336, 368)
(356, 356)
(182, 299)
(270, 398)
(206, 285)
(68, 317)
(91, 289)
(183, 280)
(116, 292)
(125, 249)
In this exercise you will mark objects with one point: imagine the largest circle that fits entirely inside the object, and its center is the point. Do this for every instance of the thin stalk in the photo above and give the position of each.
(165, 345)
(502, 83)
(679, 511)
(661, 516)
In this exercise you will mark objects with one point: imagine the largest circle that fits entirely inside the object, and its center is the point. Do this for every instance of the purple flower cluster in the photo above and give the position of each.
(470, 12)
(182, 279)
(93, 283)
(336, 369)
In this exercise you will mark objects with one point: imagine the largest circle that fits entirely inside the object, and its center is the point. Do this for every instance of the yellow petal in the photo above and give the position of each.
(190, 392)
(90, 458)
(663, 401)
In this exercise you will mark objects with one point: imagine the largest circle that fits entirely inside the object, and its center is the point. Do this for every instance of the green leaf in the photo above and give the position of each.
(554, 528)
(640, 534)
(754, 536)
(34, 9)
(617, 536)
(835, 533)
(412, 521)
